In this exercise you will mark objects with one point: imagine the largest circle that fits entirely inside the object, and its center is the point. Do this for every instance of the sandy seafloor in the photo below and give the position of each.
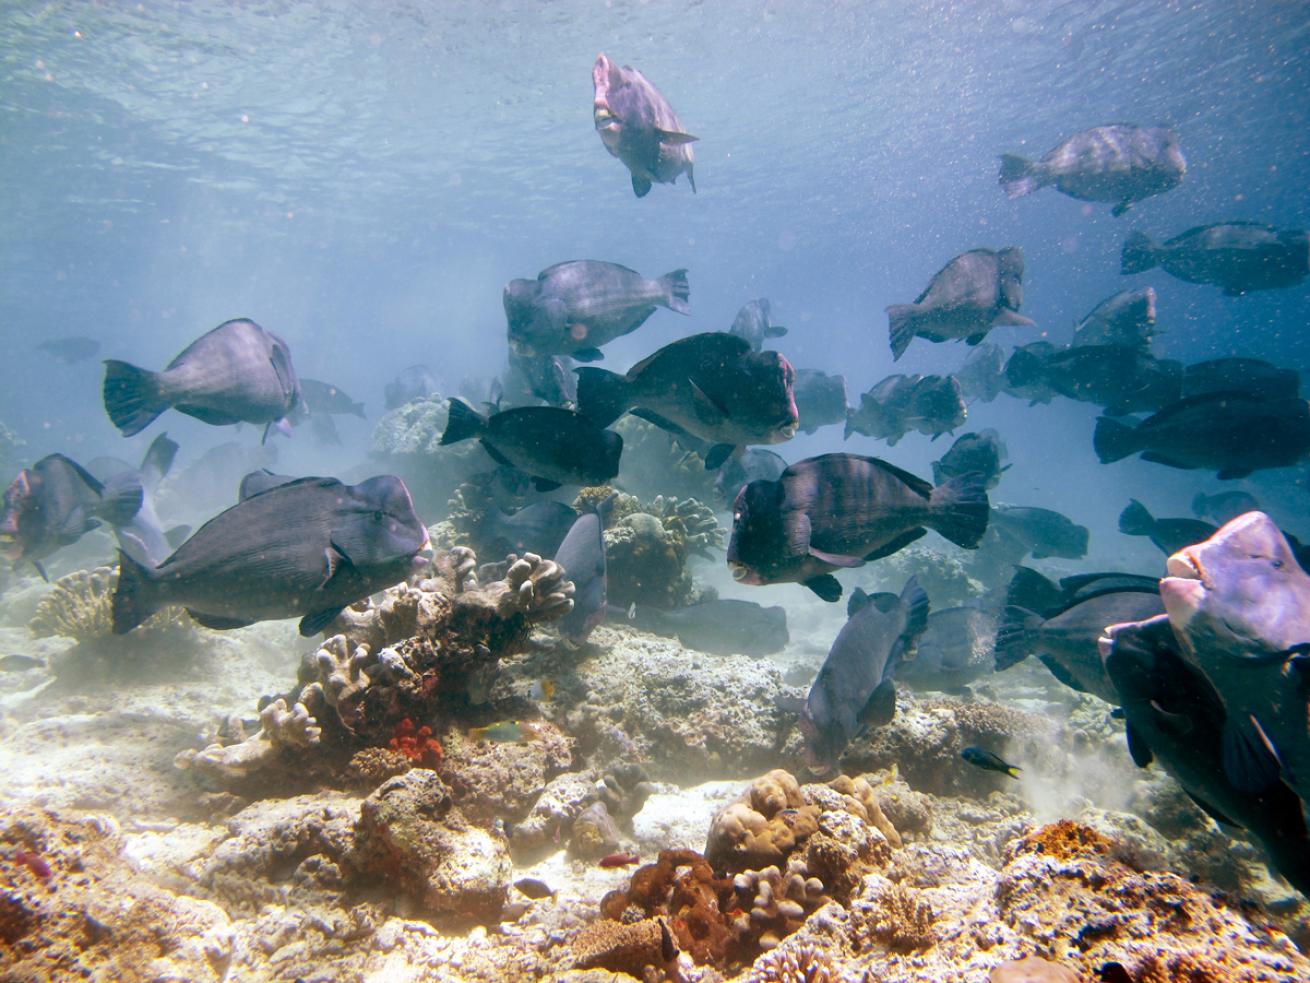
(152, 873)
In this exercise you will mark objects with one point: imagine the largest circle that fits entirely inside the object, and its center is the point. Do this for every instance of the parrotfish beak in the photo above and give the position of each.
(1183, 591)
(744, 574)
(603, 116)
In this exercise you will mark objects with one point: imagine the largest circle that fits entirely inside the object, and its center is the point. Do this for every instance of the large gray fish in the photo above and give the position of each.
(305, 549)
(1065, 639)
(1120, 378)
(414, 382)
(754, 323)
(1238, 256)
(325, 398)
(820, 399)
(54, 503)
(970, 295)
(1127, 318)
(1030, 529)
(739, 470)
(955, 650)
(639, 127)
(573, 308)
(709, 385)
(837, 511)
(1034, 389)
(980, 453)
(555, 446)
(582, 555)
(1240, 605)
(1248, 375)
(1174, 715)
(548, 378)
(1168, 535)
(854, 689)
(537, 528)
(1121, 163)
(982, 376)
(929, 404)
(722, 626)
(236, 373)
(1233, 433)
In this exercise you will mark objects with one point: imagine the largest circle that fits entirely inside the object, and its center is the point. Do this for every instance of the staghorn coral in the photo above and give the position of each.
(622, 947)
(79, 606)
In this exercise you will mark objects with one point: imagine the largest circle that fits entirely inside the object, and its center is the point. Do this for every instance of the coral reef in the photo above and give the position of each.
(898, 919)
(1033, 969)
(951, 578)
(656, 462)
(594, 833)
(78, 606)
(795, 964)
(623, 947)
(408, 441)
(501, 780)
(624, 788)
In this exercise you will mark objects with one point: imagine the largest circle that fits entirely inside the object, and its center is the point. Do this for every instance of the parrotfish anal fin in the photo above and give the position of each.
(826, 586)
(312, 624)
(675, 136)
(1250, 759)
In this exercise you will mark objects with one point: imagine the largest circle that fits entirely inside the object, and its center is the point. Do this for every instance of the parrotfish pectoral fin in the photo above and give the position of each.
(1212, 812)
(1120, 208)
(587, 355)
(826, 586)
(881, 707)
(837, 559)
(1250, 759)
(544, 484)
(1138, 749)
(707, 410)
(675, 136)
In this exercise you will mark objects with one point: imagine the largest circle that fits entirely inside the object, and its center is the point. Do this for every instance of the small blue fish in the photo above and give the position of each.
(981, 758)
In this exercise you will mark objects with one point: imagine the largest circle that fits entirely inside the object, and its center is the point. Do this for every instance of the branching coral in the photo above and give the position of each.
(79, 606)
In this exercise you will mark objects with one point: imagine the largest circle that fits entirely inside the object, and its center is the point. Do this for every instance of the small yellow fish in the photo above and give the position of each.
(542, 689)
(503, 732)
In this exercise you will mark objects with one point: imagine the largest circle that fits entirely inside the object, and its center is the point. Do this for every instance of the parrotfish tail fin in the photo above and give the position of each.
(603, 396)
(1138, 254)
(915, 599)
(132, 603)
(464, 422)
(900, 328)
(1113, 441)
(1028, 589)
(1135, 520)
(774, 331)
(121, 499)
(132, 396)
(1024, 368)
(1012, 645)
(678, 291)
(1018, 177)
(960, 510)
(158, 459)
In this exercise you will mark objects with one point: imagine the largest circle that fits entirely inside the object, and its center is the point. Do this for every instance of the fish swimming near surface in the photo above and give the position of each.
(986, 760)
(54, 503)
(929, 404)
(721, 626)
(1232, 433)
(754, 323)
(306, 548)
(970, 295)
(555, 446)
(1120, 163)
(1120, 378)
(1031, 530)
(323, 397)
(1175, 716)
(978, 453)
(854, 689)
(236, 373)
(739, 470)
(538, 527)
(72, 349)
(837, 511)
(1238, 256)
(1239, 604)
(1127, 318)
(1249, 375)
(1222, 506)
(575, 307)
(955, 650)
(414, 382)
(820, 399)
(582, 555)
(710, 385)
(1168, 535)
(639, 127)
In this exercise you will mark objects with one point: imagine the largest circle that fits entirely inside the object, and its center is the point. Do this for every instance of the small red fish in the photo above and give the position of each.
(619, 860)
(33, 862)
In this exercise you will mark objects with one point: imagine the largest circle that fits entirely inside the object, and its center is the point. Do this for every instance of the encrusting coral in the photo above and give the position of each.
(79, 606)
(1032, 969)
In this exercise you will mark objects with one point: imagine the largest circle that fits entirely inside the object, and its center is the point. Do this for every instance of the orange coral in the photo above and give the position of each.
(1064, 840)
(417, 744)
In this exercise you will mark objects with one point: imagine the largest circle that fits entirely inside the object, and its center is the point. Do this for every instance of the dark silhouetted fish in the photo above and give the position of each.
(537, 528)
(1222, 506)
(970, 295)
(1119, 163)
(820, 399)
(1029, 529)
(236, 373)
(1238, 256)
(854, 689)
(323, 397)
(582, 555)
(1168, 535)
(71, 349)
(1127, 318)
(1065, 639)
(303, 549)
(739, 470)
(980, 453)
(955, 650)
(710, 385)
(842, 510)
(639, 127)
(414, 382)
(574, 308)
(1232, 433)
(54, 503)
(548, 378)
(929, 404)
(1248, 375)
(1119, 378)
(982, 376)
(753, 323)
(1033, 389)
(1176, 716)
(722, 626)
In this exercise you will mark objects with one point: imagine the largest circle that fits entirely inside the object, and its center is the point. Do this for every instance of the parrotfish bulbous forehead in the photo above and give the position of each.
(605, 76)
(1243, 584)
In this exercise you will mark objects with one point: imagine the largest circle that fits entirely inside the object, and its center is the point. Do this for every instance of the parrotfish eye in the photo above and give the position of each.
(377, 516)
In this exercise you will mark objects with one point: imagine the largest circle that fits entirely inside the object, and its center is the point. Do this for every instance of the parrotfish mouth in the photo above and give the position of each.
(1184, 589)
(744, 574)
(604, 117)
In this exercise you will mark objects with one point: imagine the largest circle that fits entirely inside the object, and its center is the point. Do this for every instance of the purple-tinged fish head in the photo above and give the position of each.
(1241, 591)
(607, 78)
(520, 315)
(380, 527)
(770, 407)
(757, 543)
(18, 500)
